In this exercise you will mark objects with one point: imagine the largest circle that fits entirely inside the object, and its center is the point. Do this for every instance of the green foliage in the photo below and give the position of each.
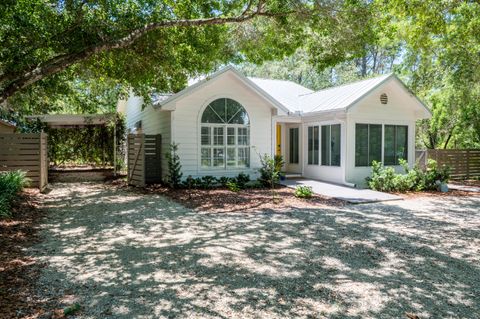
(270, 170)
(232, 186)
(242, 180)
(189, 182)
(90, 145)
(303, 191)
(71, 310)
(208, 182)
(11, 184)
(174, 175)
(387, 180)
(224, 180)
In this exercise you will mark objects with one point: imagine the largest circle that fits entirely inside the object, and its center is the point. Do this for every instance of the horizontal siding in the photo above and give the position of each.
(187, 123)
(153, 122)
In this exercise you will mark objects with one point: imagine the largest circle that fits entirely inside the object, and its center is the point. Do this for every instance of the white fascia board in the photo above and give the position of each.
(169, 105)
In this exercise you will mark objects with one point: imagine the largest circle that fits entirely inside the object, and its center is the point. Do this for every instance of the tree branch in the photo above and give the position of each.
(62, 62)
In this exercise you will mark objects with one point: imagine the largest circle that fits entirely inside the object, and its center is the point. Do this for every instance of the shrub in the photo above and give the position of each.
(241, 180)
(270, 170)
(303, 191)
(189, 182)
(11, 184)
(174, 176)
(387, 180)
(232, 186)
(224, 180)
(208, 182)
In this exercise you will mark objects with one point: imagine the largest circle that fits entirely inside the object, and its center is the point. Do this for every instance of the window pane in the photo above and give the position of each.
(218, 136)
(325, 144)
(218, 157)
(231, 158)
(206, 157)
(206, 136)
(241, 117)
(310, 145)
(219, 108)
(243, 157)
(375, 143)
(361, 145)
(389, 145)
(243, 136)
(230, 136)
(401, 143)
(209, 116)
(316, 144)
(335, 145)
(293, 145)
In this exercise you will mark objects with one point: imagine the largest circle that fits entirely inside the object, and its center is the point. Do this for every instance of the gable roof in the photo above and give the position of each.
(190, 89)
(291, 97)
(340, 97)
(286, 92)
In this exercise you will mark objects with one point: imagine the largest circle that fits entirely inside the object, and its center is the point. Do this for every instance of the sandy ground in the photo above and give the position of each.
(123, 254)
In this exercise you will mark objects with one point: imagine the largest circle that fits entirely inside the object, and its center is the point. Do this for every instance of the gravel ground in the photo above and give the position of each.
(123, 254)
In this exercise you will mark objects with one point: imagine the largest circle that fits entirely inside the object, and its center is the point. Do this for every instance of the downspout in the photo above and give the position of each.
(344, 159)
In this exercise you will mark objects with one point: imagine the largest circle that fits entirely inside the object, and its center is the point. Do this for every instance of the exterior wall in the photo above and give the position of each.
(153, 122)
(5, 129)
(186, 128)
(371, 111)
(334, 174)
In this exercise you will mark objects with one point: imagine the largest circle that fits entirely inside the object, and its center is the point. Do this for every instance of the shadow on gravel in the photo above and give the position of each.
(122, 254)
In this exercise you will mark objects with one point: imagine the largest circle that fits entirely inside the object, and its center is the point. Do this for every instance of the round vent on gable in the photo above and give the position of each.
(384, 98)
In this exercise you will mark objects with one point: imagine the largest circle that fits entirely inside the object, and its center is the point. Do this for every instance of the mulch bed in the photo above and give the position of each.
(248, 200)
(18, 272)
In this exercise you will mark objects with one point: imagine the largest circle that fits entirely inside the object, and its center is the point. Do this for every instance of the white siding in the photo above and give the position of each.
(186, 119)
(371, 111)
(153, 122)
(334, 174)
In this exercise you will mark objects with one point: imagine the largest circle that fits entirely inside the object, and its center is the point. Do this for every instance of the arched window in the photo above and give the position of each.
(225, 135)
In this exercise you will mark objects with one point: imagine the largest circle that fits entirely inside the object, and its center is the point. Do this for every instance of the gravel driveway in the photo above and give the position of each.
(121, 254)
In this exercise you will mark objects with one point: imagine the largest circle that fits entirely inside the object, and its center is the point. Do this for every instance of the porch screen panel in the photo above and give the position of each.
(335, 145)
(294, 145)
(374, 143)
(313, 145)
(395, 144)
(325, 145)
(361, 145)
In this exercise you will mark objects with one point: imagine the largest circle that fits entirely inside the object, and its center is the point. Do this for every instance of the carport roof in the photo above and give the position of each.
(72, 120)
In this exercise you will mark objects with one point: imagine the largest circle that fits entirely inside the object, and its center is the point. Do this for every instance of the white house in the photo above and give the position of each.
(224, 122)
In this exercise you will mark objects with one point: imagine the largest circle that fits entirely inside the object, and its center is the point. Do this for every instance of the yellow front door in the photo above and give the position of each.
(279, 140)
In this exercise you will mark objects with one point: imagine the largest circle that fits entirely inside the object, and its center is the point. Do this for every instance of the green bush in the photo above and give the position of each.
(11, 184)
(303, 191)
(174, 175)
(208, 182)
(224, 180)
(232, 186)
(241, 180)
(387, 180)
(270, 170)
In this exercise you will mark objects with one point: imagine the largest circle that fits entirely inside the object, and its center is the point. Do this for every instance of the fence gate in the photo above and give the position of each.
(144, 159)
(26, 152)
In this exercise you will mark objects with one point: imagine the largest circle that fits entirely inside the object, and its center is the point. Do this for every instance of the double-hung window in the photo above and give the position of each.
(330, 150)
(313, 145)
(225, 135)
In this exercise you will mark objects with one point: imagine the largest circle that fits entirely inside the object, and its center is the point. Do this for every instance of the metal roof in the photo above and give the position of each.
(72, 120)
(6, 123)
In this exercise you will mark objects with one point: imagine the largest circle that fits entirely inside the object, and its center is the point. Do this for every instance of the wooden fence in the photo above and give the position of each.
(26, 152)
(144, 159)
(464, 164)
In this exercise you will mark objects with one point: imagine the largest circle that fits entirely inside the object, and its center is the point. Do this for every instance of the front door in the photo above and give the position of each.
(278, 150)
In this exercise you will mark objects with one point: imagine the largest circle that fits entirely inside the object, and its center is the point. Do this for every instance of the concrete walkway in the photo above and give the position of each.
(349, 194)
